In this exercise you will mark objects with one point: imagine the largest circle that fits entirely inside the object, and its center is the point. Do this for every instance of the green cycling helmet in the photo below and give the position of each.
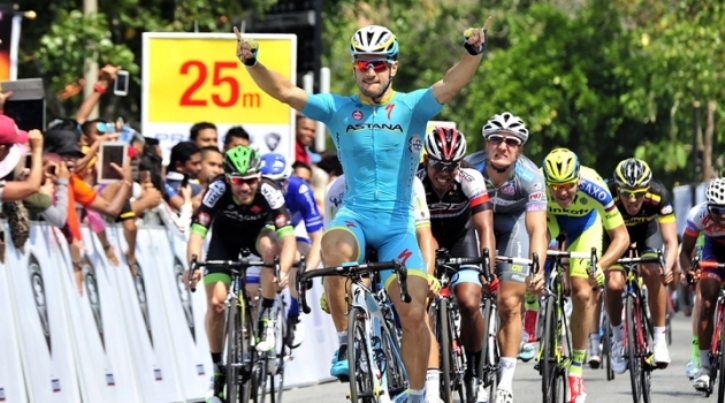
(242, 161)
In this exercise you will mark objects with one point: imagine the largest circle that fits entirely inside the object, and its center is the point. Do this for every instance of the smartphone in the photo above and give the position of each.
(184, 181)
(120, 86)
(28, 160)
(111, 152)
(51, 170)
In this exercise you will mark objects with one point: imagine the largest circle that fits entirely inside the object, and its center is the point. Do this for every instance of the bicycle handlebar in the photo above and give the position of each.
(484, 260)
(697, 263)
(243, 264)
(353, 268)
(592, 256)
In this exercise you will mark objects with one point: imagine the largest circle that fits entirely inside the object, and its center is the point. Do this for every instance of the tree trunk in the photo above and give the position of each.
(707, 172)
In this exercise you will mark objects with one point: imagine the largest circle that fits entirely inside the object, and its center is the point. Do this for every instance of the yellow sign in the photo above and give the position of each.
(195, 79)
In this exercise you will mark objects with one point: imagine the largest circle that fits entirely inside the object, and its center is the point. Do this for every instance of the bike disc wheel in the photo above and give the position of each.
(444, 350)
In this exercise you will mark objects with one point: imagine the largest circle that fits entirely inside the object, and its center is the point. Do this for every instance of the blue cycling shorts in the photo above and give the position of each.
(391, 233)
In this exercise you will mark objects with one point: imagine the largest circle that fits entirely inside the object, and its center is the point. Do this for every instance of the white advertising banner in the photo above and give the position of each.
(12, 382)
(43, 333)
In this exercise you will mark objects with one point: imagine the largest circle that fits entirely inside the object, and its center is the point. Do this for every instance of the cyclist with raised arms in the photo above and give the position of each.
(307, 222)
(516, 190)
(378, 137)
(460, 209)
(243, 210)
(708, 218)
(640, 201)
(579, 204)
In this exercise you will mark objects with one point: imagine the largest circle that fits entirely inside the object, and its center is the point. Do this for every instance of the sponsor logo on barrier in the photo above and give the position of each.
(200, 369)
(91, 284)
(142, 300)
(157, 374)
(38, 284)
(2, 394)
(184, 297)
(109, 380)
(55, 384)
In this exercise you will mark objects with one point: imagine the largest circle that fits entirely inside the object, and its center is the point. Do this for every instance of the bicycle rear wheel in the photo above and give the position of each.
(277, 358)
(647, 353)
(633, 329)
(550, 346)
(488, 367)
(394, 369)
(360, 362)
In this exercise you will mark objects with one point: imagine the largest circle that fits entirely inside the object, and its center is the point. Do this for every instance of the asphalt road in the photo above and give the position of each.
(668, 386)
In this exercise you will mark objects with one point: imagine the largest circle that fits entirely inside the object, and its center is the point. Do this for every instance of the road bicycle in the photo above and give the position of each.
(247, 371)
(555, 350)
(377, 373)
(638, 324)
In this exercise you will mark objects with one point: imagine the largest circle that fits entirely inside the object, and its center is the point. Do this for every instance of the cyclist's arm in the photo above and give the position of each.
(196, 241)
(289, 250)
(425, 241)
(313, 259)
(669, 237)
(689, 242)
(536, 226)
(456, 78)
(278, 86)
(619, 245)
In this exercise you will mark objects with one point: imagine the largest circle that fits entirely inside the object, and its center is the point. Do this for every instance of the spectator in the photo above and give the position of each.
(204, 134)
(331, 164)
(94, 131)
(185, 160)
(236, 136)
(12, 147)
(150, 175)
(304, 137)
(57, 176)
(211, 164)
(152, 147)
(302, 171)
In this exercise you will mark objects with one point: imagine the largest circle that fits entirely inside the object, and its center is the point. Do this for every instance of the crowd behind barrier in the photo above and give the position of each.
(122, 338)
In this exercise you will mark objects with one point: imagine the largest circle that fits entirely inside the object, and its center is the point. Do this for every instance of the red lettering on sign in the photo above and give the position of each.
(219, 80)
(186, 98)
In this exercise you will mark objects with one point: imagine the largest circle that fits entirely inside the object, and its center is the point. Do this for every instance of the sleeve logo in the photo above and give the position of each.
(273, 196)
(280, 221)
(666, 210)
(204, 219)
(214, 193)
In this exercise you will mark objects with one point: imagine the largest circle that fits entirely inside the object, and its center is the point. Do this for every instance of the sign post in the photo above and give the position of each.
(191, 78)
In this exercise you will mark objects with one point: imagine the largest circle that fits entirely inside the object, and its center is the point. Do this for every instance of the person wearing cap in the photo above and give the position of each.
(12, 147)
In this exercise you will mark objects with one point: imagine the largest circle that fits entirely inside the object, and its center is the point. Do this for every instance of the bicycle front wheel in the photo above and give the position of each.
(720, 350)
(488, 367)
(633, 329)
(607, 347)
(235, 354)
(549, 356)
(444, 349)
(359, 360)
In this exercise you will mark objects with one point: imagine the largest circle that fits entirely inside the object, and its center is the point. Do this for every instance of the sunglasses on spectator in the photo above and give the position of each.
(510, 141)
(716, 210)
(566, 186)
(630, 193)
(237, 180)
(443, 166)
(376, 65)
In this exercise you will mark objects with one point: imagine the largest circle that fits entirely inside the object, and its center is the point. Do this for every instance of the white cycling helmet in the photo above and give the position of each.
(716, 192)
(374, 40)
(506, 122)
(445, 144)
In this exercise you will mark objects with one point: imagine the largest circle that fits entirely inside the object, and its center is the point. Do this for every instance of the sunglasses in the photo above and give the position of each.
(443, 166)
(236, 180)
(716, 210)
(566, 186)
(376, 65)
(628, 194)
(510, 141)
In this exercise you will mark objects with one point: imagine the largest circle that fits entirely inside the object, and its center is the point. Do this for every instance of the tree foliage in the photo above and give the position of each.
(606, 79)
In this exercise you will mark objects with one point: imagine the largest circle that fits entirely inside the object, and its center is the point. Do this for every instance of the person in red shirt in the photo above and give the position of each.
(303, 138)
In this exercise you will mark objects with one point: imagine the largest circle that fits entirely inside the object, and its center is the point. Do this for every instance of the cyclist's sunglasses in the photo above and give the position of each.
(376, 65)
(566, 186)
(238, 180)
(716, 210)
(510, 141)
(443, 166)
(630, 193)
